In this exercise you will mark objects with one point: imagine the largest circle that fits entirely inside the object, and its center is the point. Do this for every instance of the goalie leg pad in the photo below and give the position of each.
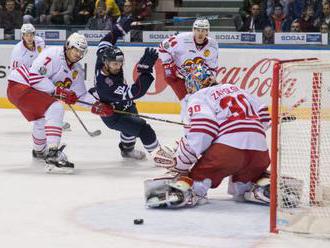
(171, 193)
(290, 192)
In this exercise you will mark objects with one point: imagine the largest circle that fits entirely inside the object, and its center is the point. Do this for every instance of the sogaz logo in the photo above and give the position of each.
(159, 36)
(313, 38)
(248, 37)
(227, 36)
(293, 37)
(51, 35)
(94, 36)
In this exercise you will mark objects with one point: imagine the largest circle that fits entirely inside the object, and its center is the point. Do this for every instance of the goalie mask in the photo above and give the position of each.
(197, 78)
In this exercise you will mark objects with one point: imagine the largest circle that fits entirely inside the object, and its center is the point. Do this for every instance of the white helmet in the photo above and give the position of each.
(78, 41)
(27, 28)
(202, 24)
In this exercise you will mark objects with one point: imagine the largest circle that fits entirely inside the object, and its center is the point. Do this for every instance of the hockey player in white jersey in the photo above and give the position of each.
(54, 74)
(179, 52)
(25, 51)
(226, 137)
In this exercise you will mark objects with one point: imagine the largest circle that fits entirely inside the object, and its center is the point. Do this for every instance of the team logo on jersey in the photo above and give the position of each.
(108, 81)
(74, 74)
(42, 70)
(166, 45)
(39, 49)
(207, 53)
(65, 84)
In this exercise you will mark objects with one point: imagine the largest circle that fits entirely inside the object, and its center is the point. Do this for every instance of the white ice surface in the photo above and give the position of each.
(96, 206)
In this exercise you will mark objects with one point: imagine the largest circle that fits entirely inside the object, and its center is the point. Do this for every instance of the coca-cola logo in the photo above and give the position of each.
(256, 79)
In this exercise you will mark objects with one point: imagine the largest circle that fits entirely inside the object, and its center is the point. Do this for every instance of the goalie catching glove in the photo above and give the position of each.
(65, 95)
(102, 109)
(164, 156)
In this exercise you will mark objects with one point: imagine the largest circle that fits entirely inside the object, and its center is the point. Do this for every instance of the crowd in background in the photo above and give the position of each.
(92, 14)
(267, 16)
(270, 16)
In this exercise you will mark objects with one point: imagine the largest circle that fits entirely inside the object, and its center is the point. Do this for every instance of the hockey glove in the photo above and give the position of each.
(66, 95)
(102, 109)
(170, 70)
(147, 61)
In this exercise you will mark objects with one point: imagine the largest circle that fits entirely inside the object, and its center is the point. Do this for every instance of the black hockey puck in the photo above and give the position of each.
(138, 221)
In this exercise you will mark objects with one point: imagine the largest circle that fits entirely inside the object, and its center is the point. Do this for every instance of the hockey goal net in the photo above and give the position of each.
(300, 147)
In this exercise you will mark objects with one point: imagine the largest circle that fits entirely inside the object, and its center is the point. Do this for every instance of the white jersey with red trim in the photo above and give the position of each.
(21, 55)
(222, 114)
(50, 69)
(182, 50)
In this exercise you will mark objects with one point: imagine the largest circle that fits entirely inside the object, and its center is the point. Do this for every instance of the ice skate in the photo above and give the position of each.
(57, 162)
(39, 155)
(132, 153)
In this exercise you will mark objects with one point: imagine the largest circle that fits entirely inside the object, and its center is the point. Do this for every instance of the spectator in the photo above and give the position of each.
(317, 6)
(291, 8)
(245, 10)
(29, 11)
(83, 10)
(42, 11)
(255, 22)
(61, 12)
(268, 35)
(112, 8)
(324, 28)
(100, 21)
(307, 21)
(325, 15)
(10, 19)
(295, 26)
(120, 3)
(142, 9)
(127, 17)
(278, 21)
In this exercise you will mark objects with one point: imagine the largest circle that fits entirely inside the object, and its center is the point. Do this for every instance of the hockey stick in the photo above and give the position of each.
(92, 134)
(177, 20)
(149, 117)
(286, 116)
(137, 115)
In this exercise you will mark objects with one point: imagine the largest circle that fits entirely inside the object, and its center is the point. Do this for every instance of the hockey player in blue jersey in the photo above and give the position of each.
(112, 89)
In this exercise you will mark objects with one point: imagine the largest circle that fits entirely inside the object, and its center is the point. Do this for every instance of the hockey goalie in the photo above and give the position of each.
(225, 138)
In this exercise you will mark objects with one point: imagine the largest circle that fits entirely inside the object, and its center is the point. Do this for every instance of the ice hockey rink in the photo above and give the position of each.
(96, 206)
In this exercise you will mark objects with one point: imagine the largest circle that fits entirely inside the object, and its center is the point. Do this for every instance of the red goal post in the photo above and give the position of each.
(300, 149)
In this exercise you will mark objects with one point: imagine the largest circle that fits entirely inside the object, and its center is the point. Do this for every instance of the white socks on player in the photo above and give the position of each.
(53, 127)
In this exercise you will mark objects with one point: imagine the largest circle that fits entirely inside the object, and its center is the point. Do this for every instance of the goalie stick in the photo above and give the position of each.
(178, 19)
(91, 134)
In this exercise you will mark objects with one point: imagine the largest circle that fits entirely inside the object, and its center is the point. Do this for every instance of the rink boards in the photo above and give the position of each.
(249, 67)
